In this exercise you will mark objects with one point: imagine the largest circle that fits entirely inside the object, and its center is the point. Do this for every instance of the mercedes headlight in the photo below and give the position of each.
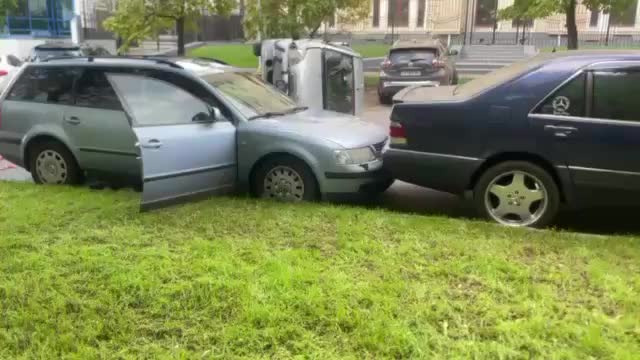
(355, 156)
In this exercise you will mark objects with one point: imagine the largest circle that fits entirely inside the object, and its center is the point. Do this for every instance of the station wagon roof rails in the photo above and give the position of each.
(155, 59)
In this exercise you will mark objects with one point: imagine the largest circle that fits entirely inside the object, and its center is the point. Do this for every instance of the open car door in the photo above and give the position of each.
(188, 148)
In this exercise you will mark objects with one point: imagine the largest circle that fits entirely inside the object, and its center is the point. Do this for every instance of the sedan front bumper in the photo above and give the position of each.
(365, 181)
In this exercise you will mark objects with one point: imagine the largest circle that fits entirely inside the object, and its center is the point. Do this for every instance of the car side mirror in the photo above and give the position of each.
(453, 52)
(215, 114)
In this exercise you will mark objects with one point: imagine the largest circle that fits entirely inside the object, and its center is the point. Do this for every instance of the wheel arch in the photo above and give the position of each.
(519, 156)
(274, 155)
(40, 138)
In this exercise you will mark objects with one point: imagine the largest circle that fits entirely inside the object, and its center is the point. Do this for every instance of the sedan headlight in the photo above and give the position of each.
(355, 156)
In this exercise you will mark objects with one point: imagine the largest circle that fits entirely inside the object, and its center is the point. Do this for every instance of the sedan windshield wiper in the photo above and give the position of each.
(297, 109)
(269, 114)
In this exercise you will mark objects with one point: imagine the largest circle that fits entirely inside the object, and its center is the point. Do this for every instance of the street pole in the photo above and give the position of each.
(466, 23)
(473, 21)
(393, 22)
(495, 23)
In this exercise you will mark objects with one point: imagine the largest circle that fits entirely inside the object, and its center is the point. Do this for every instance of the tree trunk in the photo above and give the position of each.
(572, 29)
(180, 33)
(606, 40)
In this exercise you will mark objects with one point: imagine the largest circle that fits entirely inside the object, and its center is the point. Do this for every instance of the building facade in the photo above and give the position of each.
(34, 22)
(477, 18)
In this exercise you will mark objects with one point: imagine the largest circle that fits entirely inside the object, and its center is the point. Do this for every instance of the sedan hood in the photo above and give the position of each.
(345, 130)
(425, 94)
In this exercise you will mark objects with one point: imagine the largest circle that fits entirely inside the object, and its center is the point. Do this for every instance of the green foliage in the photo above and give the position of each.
(296, 18)
(136, 20)
(6, 6)
(614, 7)
(84, 275)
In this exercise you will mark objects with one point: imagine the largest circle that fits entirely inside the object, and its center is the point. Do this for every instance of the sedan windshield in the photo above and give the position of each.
(252, 97)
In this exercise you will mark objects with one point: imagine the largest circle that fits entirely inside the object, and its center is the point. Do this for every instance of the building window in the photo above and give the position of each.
(486, 13)
(399, 13)
(421, 9)
(627, 17)
(43, 18)
(595, 18)
(376, 13)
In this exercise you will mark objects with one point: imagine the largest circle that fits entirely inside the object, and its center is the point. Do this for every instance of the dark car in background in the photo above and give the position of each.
(60, 49)
(51, 50)
(558, 129)
(416, 63)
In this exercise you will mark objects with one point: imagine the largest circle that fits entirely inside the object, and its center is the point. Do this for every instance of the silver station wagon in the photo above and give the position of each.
(181, 129)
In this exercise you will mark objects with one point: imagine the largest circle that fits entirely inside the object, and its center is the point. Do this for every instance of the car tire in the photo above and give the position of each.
(285, 178)
(50, 162)
(517, 193)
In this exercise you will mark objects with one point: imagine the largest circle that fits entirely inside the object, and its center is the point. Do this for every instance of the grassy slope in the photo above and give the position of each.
(372, 50)
(241, 55)
(84, 275)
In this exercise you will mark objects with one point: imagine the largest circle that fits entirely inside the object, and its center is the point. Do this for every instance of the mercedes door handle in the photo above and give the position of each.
(560, 131)
(152, 144)
(73, 120)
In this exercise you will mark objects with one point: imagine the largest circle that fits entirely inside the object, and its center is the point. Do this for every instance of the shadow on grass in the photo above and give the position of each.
(407, 198)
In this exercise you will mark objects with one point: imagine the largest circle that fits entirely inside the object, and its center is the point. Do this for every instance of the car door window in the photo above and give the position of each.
(569, 100)
(94, 90)
(44, 85)
(339, 82)
(153, 102)
(615, 95)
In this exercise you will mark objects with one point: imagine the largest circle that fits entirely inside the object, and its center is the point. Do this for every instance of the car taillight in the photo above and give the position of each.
(397, 133)
(3, 72)
(386, 63)
(438, 64)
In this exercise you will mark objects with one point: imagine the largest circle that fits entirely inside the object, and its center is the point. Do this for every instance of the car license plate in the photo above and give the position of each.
(410, 73)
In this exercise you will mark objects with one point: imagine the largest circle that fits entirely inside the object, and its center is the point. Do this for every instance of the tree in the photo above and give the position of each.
(6, 6)
(535, 9)
(294, 18)
(139, 19)
(615, 8)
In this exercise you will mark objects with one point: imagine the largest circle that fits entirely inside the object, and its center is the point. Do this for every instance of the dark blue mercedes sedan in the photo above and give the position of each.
(557, 129)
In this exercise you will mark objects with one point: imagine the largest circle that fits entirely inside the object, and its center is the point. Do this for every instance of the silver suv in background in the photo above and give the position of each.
(416, 63)
(182, 133)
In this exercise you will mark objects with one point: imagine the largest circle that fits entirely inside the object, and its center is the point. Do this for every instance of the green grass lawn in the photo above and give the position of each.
(84, 275)
(239, 55)
(372, 50)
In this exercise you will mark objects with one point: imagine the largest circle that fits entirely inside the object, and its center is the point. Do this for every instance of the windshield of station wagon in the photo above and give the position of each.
(498, 77)
(250, 95)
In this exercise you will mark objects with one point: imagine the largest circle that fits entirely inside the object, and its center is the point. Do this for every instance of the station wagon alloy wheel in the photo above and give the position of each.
(516, 198)
(51, 167)
(283, 183)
